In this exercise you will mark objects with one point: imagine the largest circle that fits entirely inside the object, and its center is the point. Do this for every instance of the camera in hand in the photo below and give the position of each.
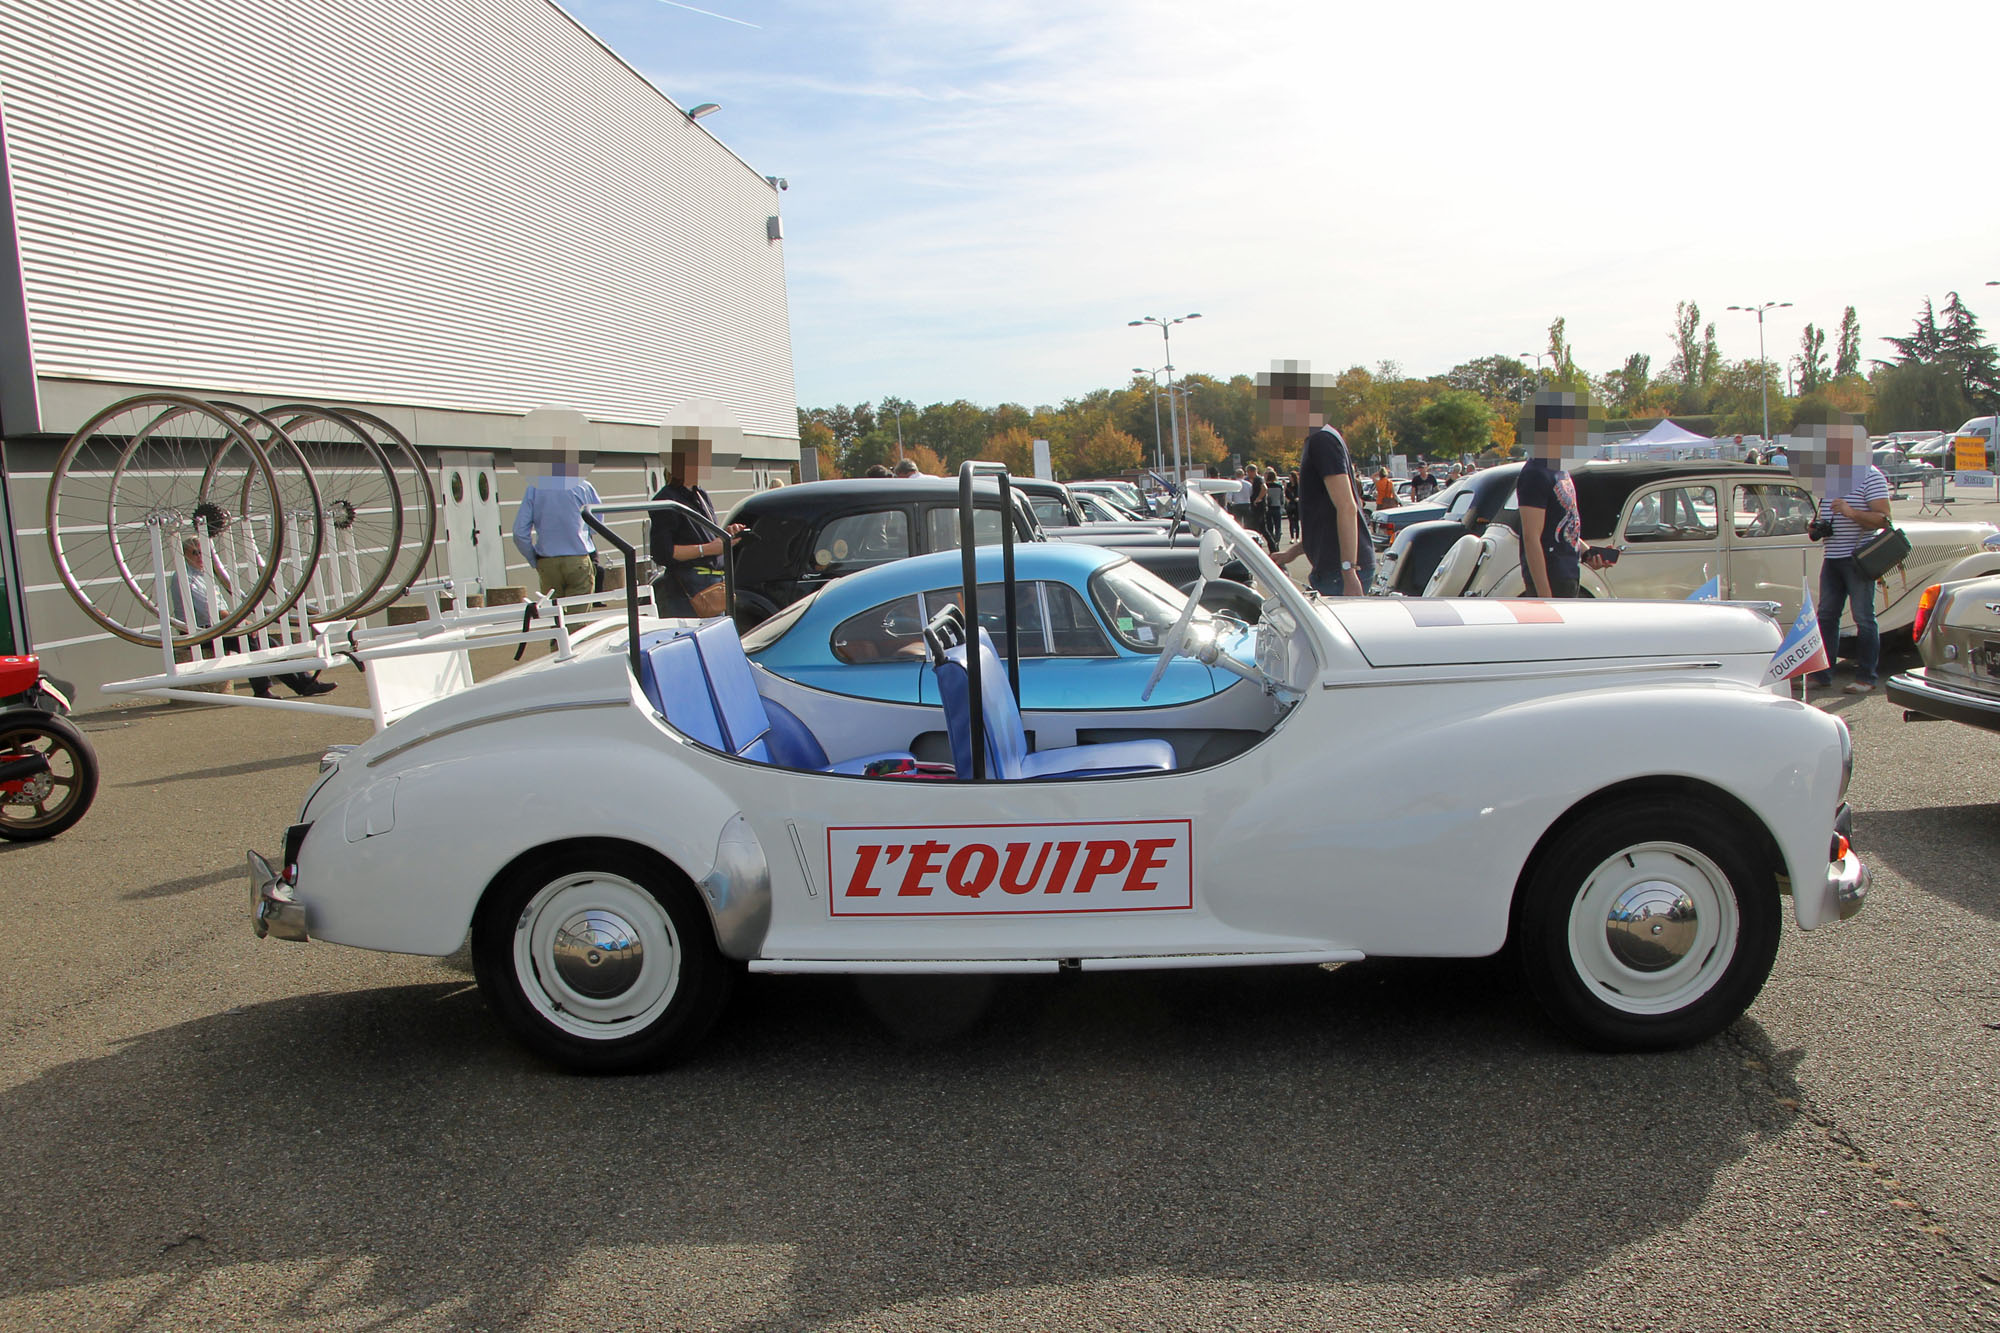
(1820, 529)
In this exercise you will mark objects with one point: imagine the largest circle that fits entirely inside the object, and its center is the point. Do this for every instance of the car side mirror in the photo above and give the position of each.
(1213, 554)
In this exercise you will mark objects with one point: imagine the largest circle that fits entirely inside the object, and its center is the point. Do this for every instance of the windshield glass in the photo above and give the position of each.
(1139, 605)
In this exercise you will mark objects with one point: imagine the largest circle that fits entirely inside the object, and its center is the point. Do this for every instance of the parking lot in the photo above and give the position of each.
(208, 1131)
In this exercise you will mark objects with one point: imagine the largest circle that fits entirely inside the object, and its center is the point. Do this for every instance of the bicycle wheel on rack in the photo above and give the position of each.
(420, 508)
(304, 535)
(132, 486)
(362, 503)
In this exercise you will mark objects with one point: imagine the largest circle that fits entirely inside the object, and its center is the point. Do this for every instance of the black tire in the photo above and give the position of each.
(564, 999)
(752, 611)
(1632, 954)
(47, 805)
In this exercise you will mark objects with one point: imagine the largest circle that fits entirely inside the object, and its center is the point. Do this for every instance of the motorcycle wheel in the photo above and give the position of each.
(45, 805)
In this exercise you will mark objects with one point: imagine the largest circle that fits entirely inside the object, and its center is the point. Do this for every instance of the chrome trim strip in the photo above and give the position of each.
(1177, 960)
(531, 710)
(1468, 673)
(895, 966)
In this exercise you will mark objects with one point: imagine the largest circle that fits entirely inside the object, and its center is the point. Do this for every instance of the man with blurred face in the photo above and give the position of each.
(1552, 547)
(549, 528)
(1331, 536)
(1856, 507)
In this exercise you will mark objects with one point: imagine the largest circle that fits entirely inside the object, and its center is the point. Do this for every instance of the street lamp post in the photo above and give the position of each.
(1538, 365)
(1166, 337)
(1159, 463)
(1763, 366)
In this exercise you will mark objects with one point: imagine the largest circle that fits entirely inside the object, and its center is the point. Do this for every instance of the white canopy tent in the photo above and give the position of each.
(1664, 441)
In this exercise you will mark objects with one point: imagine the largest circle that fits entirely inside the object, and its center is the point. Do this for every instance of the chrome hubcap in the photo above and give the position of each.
(598, 954)
(1652, 926)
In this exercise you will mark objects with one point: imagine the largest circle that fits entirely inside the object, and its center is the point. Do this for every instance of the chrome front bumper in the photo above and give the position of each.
(1847, 883)
(273, 909)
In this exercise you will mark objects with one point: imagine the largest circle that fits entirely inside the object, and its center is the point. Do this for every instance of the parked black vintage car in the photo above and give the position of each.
(803, 537)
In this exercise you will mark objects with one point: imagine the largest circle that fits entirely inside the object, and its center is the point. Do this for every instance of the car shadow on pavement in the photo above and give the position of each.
(385, 1155)
(1948, 849)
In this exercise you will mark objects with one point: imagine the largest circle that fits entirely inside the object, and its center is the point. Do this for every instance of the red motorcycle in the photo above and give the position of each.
(48, 771)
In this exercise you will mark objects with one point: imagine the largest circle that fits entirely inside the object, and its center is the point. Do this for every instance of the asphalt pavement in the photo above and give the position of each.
(206, 1131)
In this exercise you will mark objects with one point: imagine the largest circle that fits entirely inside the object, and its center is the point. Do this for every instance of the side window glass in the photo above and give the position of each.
(1049, 513)
(855, 541)
(891, 632)
(1073, 630)
(1673, 514)
(1460, 504)
(1771, 509)
(941, 526)
(993, 615)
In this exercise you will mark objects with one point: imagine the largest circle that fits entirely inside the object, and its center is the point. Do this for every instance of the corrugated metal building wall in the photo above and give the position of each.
(450, 215)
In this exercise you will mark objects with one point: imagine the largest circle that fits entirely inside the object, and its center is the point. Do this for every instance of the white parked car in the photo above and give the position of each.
(622, 830)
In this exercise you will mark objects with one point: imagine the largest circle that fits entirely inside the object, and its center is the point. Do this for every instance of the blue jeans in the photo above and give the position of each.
(1328, 584)
(1840, 584)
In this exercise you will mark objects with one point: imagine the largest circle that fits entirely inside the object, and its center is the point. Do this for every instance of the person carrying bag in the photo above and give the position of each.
(1853, 517)
(690, 582)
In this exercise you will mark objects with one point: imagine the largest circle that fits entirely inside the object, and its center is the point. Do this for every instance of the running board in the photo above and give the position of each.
(1018, 966)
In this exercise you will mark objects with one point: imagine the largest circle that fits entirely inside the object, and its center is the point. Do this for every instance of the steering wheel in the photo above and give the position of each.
(1170, 646)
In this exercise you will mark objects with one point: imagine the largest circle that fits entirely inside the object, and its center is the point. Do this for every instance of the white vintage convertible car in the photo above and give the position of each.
(624, 828)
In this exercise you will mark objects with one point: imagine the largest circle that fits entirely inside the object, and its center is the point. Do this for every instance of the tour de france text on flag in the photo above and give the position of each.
(1802, 650)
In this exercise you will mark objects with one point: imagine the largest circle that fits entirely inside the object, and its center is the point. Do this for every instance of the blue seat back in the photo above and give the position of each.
(676, 685)
(791, 741)
(1006, 735)
(734, 685)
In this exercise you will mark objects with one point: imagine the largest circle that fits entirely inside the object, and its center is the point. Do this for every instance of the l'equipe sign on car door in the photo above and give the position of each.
(1011, 869)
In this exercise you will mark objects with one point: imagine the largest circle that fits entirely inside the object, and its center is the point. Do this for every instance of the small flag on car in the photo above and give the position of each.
(1803, 650)
(1710, 591)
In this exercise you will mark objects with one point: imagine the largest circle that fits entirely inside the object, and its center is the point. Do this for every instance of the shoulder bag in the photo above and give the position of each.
(1881, 553)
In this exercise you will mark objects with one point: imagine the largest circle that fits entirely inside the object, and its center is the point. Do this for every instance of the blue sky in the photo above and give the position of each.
(982, 194)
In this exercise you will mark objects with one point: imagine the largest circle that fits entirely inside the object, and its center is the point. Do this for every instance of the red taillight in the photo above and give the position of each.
(1925, 605)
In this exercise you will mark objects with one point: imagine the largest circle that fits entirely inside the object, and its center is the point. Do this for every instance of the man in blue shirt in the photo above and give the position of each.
(1552, 548)
(550, 531)
(1332, 536)
(1856, 507)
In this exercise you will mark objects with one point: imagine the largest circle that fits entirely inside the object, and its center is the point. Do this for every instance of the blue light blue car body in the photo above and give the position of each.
(862, 635)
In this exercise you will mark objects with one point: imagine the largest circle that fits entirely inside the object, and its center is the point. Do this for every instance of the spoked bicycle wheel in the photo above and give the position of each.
(420, 508)
(363, 508)
(132, 487)
(305, 518)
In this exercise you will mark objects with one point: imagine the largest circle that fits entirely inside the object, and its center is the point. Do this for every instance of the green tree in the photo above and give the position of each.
(1623, 389)
(1915, 396)
(1497, 379)
(1847, 359)
(1962, 348)
(1923, 345)
(1812, 360)
(1457, 422)
(1686, 364)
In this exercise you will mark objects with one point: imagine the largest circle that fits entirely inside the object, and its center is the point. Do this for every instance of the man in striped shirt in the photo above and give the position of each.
(1855, 508)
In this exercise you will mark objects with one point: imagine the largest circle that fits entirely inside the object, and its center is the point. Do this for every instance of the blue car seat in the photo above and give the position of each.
(1007, 754)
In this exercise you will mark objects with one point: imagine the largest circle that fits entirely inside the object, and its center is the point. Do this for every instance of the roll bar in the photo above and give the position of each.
(702, 522)
(969, 573)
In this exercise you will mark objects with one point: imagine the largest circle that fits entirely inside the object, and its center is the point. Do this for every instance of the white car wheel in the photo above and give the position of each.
(1650, 922)
(600, 957)
(1653, 929)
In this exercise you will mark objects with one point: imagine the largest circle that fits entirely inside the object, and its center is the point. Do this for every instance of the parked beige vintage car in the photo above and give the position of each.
(1662, 517)
(1958, 636)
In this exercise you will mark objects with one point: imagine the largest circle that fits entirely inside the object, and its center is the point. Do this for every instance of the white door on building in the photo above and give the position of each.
(474, 540)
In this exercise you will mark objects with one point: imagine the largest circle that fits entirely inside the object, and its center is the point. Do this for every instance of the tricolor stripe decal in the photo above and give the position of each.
(1426, 612)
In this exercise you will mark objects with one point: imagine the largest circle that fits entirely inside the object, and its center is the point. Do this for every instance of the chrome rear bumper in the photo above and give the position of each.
(1847, 883)
(273, 909)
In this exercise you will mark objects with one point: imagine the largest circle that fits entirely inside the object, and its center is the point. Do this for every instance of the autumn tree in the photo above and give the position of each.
(926, 459)
(1107, 452)
(1205, 446)
(1014, 448)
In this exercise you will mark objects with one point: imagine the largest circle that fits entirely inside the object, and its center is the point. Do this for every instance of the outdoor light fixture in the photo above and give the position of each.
(1764, 367)
(1165, 326)
(705, 109)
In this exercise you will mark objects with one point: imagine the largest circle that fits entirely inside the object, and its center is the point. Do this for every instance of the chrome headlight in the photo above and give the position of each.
(1991, 543)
